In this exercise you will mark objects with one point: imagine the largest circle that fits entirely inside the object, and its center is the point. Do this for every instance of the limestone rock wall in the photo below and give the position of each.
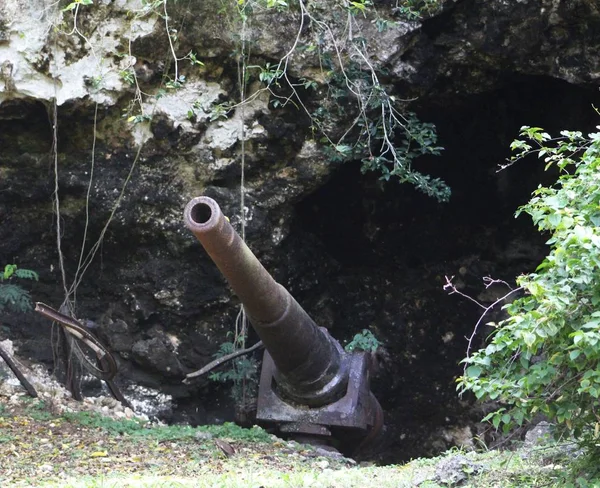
(98, 67)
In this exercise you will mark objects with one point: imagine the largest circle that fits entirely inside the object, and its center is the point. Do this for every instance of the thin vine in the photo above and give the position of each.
(86, 256)
(381, 134)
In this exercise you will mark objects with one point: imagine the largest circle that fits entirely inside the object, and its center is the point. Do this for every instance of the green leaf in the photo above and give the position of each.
(473, 371)
(14, 297)
(595, 219)
(554, 219)
(592, 324)
(9, 270)
(492, 414)
(26, 274)
(343, 148)
(529, 338)
(548, 362)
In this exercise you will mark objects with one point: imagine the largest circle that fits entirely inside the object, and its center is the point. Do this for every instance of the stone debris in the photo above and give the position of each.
(453, 470)
(538, 435)
(147, 402)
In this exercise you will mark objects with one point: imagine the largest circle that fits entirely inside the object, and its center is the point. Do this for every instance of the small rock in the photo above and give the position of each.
(327, 452)
(108, 402)
(203, 436)
(538, 435)
(454, 470)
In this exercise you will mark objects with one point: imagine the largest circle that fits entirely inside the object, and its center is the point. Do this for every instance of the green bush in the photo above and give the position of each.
(13, 296)
(418, 9)
(363, 341)
(242, 372)
(545, 357)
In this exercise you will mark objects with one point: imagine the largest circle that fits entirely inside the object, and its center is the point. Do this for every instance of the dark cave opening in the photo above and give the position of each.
(476, 133)
(389, 249)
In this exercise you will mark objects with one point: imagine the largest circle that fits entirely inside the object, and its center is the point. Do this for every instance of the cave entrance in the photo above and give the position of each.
(390, 248)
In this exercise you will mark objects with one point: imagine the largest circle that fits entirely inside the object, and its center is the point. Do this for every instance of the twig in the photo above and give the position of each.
(219, 361)
(488, 282)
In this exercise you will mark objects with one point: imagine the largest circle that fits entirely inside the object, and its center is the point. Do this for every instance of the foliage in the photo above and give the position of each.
(242, 372)
(68, 453)
(381, 133)
(76, 3)
(417, 9)
(384, 139)
(545, 357)
(233, 431)
(141, 429)
(363, 341)
(39, 410)
(13, 296)
(95, 420)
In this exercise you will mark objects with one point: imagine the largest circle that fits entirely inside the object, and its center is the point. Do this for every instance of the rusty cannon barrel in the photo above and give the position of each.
(304, 366)
(309, 362)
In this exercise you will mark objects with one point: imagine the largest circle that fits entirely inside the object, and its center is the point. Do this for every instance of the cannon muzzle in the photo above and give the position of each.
(304, 365)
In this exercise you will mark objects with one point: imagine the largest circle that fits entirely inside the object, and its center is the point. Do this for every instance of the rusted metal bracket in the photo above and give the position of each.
(105, 367)
(356, 418)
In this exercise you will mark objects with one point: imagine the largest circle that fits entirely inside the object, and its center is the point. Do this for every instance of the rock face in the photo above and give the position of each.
(104, 106)
(475, 45)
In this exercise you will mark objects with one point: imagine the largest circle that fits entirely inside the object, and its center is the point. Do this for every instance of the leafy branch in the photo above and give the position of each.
(545, 357)
(14, 296)
(381, 134)
(365, 340)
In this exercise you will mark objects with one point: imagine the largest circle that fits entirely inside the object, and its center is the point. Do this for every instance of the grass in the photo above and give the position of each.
(140, 429)
(88, 450)
(502, 470)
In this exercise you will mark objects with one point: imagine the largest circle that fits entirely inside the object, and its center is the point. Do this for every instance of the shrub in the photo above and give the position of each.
(545, 357)
(13, 296)
(363, 341)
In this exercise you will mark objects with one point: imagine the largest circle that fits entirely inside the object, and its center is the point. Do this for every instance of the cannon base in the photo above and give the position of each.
(356, 419)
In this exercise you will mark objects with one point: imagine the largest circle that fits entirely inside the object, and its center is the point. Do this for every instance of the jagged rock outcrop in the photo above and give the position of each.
(475, 45)
(98, 83)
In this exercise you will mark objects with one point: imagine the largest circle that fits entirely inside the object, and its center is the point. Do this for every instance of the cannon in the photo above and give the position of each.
(310, 388)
